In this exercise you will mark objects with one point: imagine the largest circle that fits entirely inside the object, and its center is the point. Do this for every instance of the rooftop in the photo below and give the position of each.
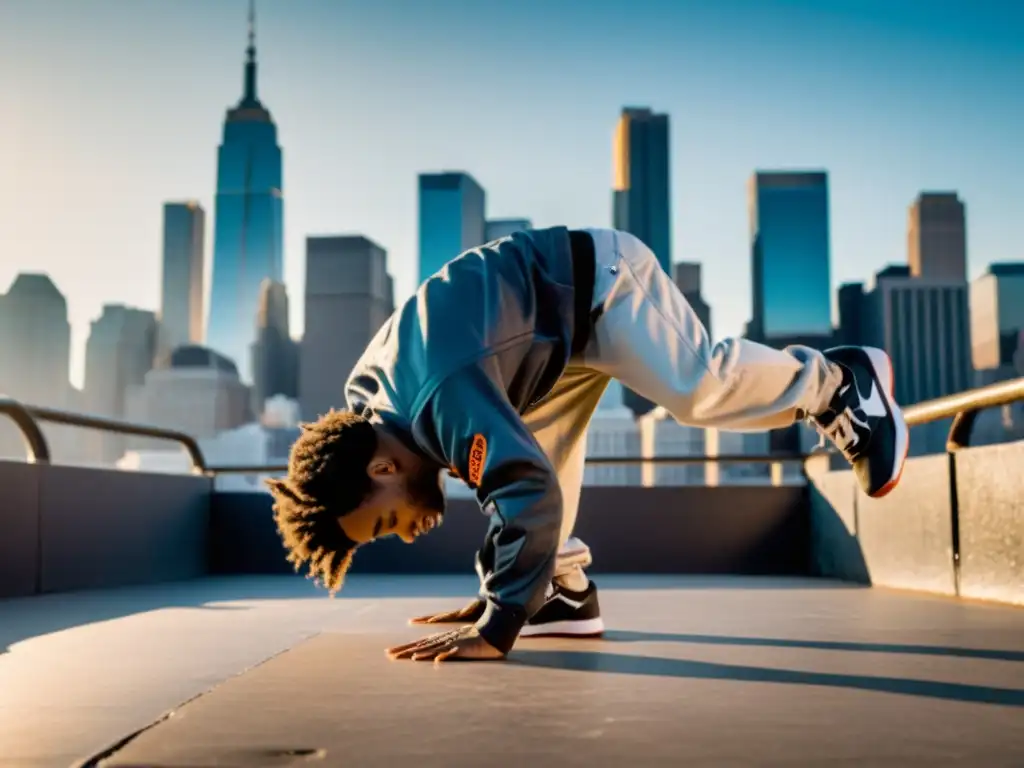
(693, 671)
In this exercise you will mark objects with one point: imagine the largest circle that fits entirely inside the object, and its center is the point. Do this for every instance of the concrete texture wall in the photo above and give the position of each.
(19, 528)
(990, 492)
(909, 539)
(835, 549)
(728, 529)
(68, 528)
(64, 528)
(903, 540)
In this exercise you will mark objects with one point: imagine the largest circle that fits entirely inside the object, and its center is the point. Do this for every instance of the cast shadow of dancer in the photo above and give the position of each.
(626, 636)
(626, 664)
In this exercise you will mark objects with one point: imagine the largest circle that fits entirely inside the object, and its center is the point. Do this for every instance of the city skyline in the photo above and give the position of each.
(872, 179)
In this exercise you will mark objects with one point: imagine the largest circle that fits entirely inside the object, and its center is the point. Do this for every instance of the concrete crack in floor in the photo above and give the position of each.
(96, 760)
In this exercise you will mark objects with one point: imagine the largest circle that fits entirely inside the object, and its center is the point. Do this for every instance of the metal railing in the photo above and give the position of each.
(737, 458)
(963, 407)
(27, 418)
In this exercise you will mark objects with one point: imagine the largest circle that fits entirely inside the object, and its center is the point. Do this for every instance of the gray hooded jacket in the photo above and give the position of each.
(453, 369)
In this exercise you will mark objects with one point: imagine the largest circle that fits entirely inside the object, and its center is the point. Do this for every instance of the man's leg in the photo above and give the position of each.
(649, 338)
(559, 423)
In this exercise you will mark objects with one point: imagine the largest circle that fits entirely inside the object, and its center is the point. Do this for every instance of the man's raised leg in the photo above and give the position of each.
(649, 338)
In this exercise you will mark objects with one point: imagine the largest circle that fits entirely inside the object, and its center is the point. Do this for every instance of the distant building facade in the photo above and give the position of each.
(275, 355)
(198, 392)
(937, 237)
(181, 283)
(349, 296)
(498, 228)
(452, 209)
(120, 351)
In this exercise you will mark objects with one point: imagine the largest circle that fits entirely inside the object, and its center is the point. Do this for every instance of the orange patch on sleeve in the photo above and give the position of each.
(477, 457)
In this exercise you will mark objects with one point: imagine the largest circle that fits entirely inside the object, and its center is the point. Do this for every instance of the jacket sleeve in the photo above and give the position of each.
(485, 441)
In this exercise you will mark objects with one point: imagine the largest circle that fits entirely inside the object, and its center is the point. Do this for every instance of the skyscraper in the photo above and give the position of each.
(181, 287)
(937, 237)
(851, 307)
(275, 356)
(35, 348)
(248, 236)
(997, 316)
(687, 277)
(348, 299)
(923, 324)
(119, 353)
(790, 254)
(498, 228)
(451, 213)
(198, 392)
(641, 196)
(35, 341)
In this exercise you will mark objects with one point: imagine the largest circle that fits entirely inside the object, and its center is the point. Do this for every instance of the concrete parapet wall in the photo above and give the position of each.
(990, 492)
(954, 526)
(19, 529)
(687, 529)
(907, 537)
(835, 549)
(66, 528)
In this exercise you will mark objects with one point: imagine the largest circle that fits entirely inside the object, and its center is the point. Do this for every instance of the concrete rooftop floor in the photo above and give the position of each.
(267, 671)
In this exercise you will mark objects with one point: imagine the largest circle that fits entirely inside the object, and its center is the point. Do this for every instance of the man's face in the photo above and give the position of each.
(406, 504)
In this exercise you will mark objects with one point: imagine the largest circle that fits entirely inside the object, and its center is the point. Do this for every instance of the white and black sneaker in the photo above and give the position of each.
(567, 614)
(864, 421)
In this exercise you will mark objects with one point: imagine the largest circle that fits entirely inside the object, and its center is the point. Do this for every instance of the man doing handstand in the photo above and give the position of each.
(492, 371)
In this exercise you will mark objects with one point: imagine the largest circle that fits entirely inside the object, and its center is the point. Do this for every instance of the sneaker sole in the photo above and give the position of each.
(581, 628)
(882, 366)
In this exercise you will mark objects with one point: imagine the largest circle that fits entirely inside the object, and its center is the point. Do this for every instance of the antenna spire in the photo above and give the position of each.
(250, 59)
(252, 29)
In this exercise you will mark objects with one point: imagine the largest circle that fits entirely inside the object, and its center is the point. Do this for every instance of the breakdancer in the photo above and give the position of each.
(492, 371)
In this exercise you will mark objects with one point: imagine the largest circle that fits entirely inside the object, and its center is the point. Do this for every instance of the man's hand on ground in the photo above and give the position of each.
(464, 643)
(465, 615)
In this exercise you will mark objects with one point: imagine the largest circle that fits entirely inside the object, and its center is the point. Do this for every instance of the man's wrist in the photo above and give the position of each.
(501, 624)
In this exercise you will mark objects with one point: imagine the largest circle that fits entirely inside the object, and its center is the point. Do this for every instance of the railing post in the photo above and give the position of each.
(37, 450)
(960, 430)
(954, 519)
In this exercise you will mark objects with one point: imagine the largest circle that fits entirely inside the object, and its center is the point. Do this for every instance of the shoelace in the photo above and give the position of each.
(840, 432)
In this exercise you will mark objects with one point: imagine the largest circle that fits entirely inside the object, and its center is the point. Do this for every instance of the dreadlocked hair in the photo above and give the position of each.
(326, 480)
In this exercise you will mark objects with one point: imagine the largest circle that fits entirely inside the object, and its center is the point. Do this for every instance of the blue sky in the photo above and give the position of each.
(111, 107)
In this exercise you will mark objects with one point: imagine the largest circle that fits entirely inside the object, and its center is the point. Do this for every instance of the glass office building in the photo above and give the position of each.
(641, 196)
(790, 250)
(451, 218)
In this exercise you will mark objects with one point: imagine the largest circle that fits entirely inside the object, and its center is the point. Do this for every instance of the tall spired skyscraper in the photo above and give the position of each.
(248, 235)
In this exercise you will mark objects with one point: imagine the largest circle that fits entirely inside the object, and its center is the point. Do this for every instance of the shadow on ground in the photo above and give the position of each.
(624, 636)
(691, 582)
(624, 664)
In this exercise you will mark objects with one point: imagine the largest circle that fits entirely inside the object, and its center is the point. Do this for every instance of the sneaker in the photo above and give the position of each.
(864, 422)
(567, 614)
